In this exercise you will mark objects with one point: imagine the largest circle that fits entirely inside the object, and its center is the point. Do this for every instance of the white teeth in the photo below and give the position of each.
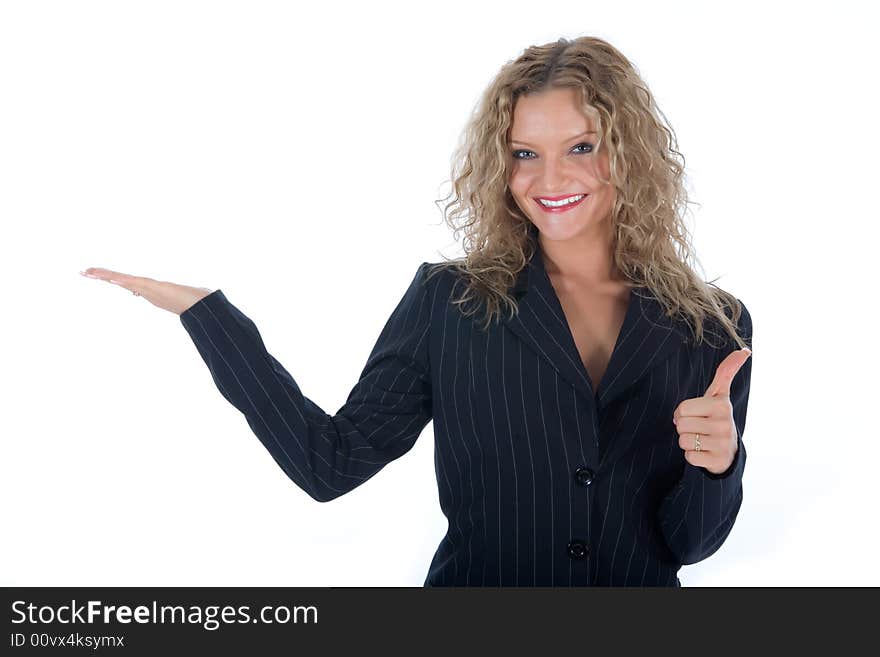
(556, 204)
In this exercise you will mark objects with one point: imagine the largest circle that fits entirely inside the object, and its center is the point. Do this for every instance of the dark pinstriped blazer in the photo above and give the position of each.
(543, 481)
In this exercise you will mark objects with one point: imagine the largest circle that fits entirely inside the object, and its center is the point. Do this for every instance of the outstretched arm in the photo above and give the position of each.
(325, 455)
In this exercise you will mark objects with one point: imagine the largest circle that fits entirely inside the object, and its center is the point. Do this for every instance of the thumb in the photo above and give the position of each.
(727, 369)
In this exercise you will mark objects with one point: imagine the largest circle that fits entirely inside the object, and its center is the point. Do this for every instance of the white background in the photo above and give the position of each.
(291, 155)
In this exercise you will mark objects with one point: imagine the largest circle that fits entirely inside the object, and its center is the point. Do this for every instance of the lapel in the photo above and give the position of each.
(646, 338)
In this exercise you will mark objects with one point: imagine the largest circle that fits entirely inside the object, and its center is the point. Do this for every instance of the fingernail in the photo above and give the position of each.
(88, 275)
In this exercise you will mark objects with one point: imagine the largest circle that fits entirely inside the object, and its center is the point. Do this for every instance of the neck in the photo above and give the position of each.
(583, 260)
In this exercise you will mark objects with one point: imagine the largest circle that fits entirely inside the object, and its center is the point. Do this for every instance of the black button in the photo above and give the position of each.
(578, 549)
(584, 476)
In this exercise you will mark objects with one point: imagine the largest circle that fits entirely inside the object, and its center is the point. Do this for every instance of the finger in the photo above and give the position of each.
(706, 407)
(137, 285)
(141, 286)
(703, 425)
(100, 272)
(688, 442)
(695, 407)
(700, 459)
(105, 274)
(111, 276)
(705, 460)
(727, 369)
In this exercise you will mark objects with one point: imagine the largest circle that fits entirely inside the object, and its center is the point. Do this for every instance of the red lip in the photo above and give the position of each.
(557, 198)
(562, 208)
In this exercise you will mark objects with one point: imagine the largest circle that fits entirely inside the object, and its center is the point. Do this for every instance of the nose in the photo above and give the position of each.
(557, 173)
(554, 176)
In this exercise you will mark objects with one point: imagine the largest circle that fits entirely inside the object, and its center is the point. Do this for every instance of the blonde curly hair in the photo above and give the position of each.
(646, 170)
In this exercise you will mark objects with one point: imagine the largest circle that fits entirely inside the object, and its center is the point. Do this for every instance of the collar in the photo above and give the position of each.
(647, 337)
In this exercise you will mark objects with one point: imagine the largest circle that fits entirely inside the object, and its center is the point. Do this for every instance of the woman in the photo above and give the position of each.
(590, 436)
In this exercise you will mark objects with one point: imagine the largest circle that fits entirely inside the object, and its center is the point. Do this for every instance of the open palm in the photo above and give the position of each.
(167, 296)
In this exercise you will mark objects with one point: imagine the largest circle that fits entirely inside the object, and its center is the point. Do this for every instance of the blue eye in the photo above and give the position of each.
(517, 157)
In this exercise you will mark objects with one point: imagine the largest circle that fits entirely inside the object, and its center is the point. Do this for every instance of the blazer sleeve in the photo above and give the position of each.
(325, 455)
(697, 515)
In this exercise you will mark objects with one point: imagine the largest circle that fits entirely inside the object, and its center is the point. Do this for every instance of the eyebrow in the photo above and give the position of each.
(525, 143)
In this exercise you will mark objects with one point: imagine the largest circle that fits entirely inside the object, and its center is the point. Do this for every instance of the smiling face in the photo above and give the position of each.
(553, 148)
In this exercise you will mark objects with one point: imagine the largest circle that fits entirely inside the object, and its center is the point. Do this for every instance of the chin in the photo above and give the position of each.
(561, 231)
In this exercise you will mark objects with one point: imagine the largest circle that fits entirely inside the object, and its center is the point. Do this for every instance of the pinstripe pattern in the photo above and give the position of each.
(515, 420)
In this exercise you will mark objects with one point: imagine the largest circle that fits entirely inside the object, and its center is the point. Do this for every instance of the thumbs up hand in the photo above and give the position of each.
(707, 421)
